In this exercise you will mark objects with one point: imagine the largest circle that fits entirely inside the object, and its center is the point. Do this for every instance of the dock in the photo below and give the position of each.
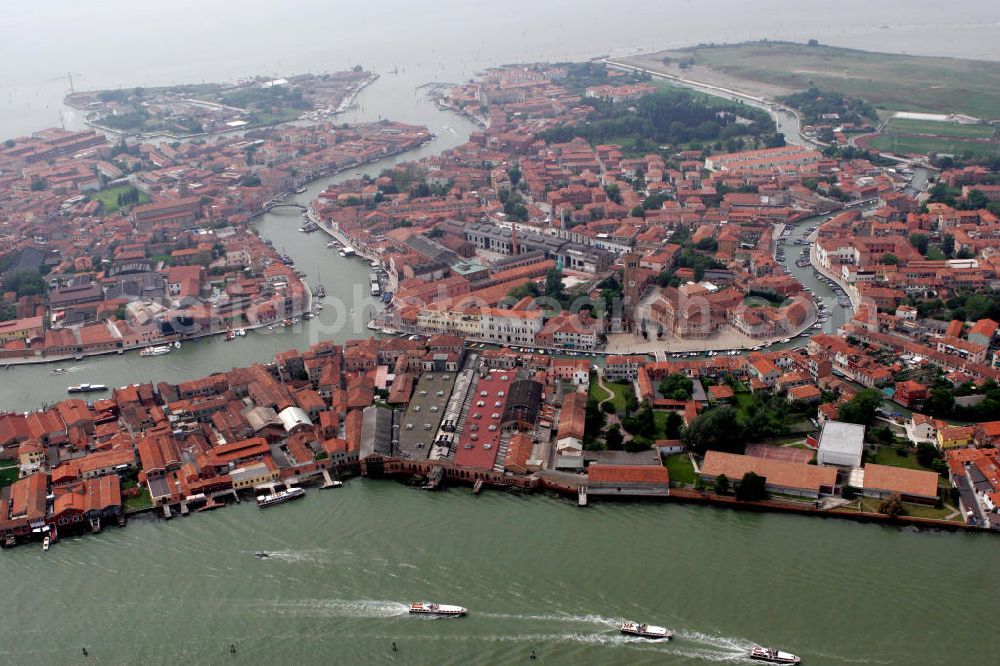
(476, 489)
(328, 481)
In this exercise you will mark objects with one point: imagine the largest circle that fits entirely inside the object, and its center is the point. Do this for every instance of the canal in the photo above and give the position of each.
(347, 307)
(536, 572)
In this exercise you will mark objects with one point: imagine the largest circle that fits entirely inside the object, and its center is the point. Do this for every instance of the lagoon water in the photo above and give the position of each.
(537, 573)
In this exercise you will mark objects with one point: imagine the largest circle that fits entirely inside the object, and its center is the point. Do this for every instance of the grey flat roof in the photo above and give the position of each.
(842, 437)
(431, 382)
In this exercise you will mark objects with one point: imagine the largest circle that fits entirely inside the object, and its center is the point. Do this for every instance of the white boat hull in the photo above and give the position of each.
(646, 631)
(427, 608)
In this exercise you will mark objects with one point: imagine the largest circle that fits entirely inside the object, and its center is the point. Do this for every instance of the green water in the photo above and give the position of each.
(536, 572)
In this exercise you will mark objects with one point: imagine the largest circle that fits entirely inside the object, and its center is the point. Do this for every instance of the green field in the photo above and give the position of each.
(8, 472)
(957, 130)
(109, 197)
(921, 145)
(900, 82)
(680, 468)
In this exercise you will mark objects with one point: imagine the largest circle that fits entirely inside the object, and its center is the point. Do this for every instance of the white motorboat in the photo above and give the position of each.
(772, 655)
(645, 630)
(46, 543)
(431, 608)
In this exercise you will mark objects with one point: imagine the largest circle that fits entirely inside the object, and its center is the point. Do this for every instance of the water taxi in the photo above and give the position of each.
(772, 656)
(430, 608)
(644, 630)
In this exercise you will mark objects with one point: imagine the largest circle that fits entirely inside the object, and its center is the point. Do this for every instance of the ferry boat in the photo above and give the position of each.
(645, 630)
(155, 351)
(430, 608)
(772, 656)
(279, 497)
(87, 388)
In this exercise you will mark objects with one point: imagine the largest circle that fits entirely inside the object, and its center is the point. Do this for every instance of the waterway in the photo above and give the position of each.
(537, 573)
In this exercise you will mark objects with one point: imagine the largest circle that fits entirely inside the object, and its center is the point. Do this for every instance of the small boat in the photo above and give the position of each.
(300, 190)
(231, 335)
(59, 371)
(260, 555)
(645, 630)
(177, 344)
(155, 351)
(240, 332)
(429, 608)
(279, 497)
(46, 543)
(87, 388)
(772, 656)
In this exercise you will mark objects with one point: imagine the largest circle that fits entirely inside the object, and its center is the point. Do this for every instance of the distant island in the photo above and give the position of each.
(196, 109)
(909, 105)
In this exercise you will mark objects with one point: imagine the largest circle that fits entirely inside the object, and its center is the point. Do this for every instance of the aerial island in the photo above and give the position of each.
(592, 296)
(186, 111)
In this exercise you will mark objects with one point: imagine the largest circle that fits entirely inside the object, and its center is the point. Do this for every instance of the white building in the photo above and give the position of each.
(841, 444)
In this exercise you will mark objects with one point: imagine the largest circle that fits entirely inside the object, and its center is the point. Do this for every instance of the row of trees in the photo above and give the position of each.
(668, 118)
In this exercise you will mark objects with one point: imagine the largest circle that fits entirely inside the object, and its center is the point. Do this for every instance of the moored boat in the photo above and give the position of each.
(430, 608)
(155, 351)
(645, 630)
(46, 543)
(772, 655)
(280, 496)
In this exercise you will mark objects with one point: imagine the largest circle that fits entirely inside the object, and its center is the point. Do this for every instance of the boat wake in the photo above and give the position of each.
(690, 644)
(363, 608)
(296, 556)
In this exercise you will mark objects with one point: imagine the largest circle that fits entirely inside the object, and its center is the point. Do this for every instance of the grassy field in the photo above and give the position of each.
(887, 455)
(139, 502)
(900, 82)
(8, 472)
(871, 505)
(921, 145)
(109, 197)
(957, 130)
(681, 469)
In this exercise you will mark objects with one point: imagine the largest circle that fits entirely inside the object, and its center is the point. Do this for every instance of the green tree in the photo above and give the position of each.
(927, 454)
(919, 241)
(722, 484)
(861, 408)
(554, 285)
(717, 429)
(673, 425)
(676, 387)
(892, 506)
(752, 488)
(614, 437)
